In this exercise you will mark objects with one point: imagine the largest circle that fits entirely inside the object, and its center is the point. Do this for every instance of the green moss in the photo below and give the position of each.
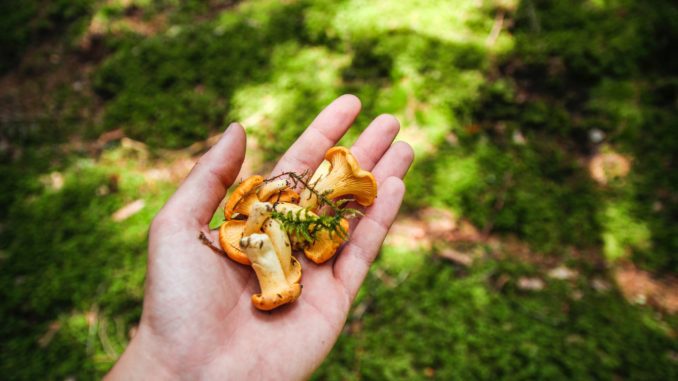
(24, 22)
(502, 130)
(440, 325)
(74, 270)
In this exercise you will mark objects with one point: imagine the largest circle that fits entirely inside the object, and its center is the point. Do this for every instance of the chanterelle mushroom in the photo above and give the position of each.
(242, 197)
(271, 188)
(276, 290)
(230, 233)
(281, 243)
(260, 221)
(255, 189)
(345, 177)
(325, 245)
(258, 214)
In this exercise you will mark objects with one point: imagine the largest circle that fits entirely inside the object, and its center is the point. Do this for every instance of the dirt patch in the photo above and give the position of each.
(641, 287)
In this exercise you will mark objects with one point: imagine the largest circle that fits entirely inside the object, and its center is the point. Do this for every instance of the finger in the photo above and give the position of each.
(357, 256)
(205, 186)
(395, 162)
(323, 133)
(375, 140)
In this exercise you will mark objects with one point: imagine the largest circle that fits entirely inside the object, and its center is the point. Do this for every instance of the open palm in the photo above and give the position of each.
(198, 321)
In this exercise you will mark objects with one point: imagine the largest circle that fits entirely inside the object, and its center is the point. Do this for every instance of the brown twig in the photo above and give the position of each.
(207, 242)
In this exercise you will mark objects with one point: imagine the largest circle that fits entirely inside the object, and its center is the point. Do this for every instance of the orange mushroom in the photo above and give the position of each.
(326, 244)
(254, 189)
(242, 197)
(276, 290)
(259, 221)
(271, 188)
(345, 177)
(230, 233)
(285, 195)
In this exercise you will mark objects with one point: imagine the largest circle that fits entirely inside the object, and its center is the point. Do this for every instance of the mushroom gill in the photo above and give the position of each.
(345, 177)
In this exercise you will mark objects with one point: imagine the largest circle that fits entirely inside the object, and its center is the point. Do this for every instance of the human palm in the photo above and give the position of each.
(198, 320)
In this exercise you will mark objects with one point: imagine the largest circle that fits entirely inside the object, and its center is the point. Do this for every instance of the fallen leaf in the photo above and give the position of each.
(530, 284)
(562, 273)
(128, 210)
(52, 330)
(456, 257)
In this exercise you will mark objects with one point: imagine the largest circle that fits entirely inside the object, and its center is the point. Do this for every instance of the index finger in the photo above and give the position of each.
(322, 134)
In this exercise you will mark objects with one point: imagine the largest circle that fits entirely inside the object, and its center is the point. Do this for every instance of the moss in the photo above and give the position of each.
(480, 332)
(503, 133)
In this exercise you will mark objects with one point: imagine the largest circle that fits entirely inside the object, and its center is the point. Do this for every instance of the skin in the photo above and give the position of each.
(198, 321)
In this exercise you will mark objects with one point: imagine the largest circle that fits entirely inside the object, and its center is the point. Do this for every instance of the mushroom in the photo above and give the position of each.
(281, 243)
(271, 188)
(285, 195)
(254, 189)
(276, 290)
(320, 172)
(242, 197)
(258, 214)
(326, 243)
(260, 221)
(345, 177)
(230, 233)
(277, 191)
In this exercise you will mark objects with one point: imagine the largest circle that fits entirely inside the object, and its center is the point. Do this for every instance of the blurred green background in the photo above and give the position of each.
(538, 239)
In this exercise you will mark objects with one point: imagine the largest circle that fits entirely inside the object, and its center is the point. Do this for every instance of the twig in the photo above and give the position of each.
(207, 242)
(308, 226)
(496, 29)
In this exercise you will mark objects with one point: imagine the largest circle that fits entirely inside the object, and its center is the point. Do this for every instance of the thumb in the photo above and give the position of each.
(205, 186)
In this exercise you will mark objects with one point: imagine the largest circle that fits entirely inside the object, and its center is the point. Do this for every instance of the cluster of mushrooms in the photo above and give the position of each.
(252, 235)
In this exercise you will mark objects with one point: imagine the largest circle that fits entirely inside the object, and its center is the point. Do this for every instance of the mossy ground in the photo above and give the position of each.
(549, 122)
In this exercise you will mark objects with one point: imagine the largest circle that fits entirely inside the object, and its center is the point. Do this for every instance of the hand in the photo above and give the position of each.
(198, 320)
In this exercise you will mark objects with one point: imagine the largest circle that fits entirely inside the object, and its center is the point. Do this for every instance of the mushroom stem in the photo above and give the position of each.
(259, 213)
(276, 290)
(281, 243)
(259, 221)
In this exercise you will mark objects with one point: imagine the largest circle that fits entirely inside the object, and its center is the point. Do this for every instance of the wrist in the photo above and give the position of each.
(142, 360)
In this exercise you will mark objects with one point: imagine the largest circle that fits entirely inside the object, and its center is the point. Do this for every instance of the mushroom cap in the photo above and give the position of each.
(244, 194)
(268, 302)
(270, 188)
(285, 195)
(363, 182)
(230, 233)
(325, 246)
(345, 177)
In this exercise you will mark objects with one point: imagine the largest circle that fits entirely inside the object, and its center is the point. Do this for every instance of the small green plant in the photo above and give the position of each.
(306, 225)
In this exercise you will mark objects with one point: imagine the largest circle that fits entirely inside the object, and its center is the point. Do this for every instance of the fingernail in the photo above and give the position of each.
(229, 129)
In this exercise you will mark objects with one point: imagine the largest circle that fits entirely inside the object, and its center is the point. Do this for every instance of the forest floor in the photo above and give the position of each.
(538, 235)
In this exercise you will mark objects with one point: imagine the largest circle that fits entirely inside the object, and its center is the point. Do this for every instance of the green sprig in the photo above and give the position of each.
(306, 225)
